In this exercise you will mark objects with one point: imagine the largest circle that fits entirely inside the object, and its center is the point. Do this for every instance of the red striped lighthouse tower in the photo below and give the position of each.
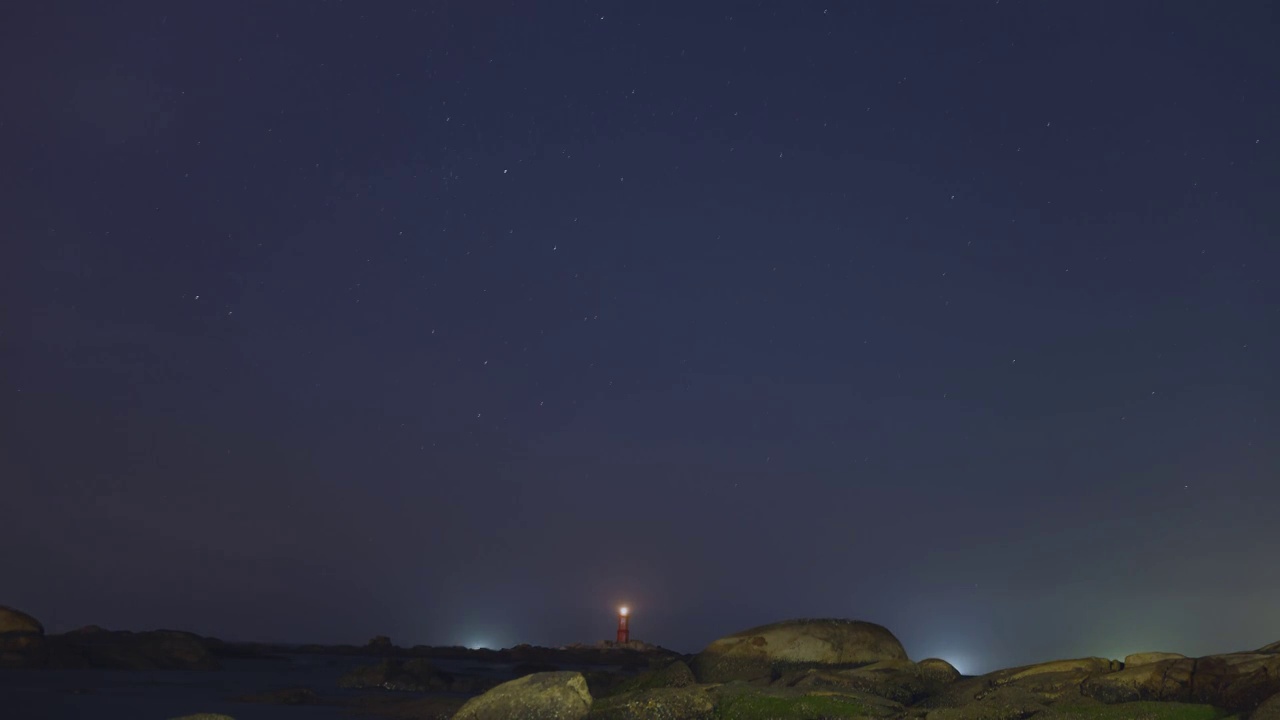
(624, 630)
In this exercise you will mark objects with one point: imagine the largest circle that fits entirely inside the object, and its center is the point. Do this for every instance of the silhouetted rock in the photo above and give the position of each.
(529, 668)
(541, 696)
(627, 655)
(673, 674)
(767, 651)
(244, 651)
(25, 645)
(155, 650)
(380, 643)
(608, 645)
(1146, 658)
(414, 675)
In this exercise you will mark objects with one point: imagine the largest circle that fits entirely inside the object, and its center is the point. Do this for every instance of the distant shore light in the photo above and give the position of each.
(623, 610)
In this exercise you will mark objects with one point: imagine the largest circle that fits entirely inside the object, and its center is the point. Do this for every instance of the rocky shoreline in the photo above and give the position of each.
(797, 670)
(24, 644)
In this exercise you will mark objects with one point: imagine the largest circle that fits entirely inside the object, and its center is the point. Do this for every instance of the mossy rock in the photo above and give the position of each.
(1269, 710)
(605, 683)
(1006, 703)
(672, 675)
(937, 672)
(15, 621)
(901, 681)
(795, 707)
(740, 701)
(540, 696)
(684, 703)
(1136, 711)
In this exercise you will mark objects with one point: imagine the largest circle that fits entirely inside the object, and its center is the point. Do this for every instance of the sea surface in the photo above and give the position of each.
(159, 695)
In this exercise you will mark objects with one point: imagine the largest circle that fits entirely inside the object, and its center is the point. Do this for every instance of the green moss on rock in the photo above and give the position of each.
(1136, 711)
(672, 675)
(743, 701)
(685, 703)
(758, 706)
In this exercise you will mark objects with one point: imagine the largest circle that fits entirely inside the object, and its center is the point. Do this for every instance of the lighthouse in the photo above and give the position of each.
(624, 631)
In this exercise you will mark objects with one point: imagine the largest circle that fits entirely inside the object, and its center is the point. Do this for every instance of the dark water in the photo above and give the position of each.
(132, 695)
(159, 695)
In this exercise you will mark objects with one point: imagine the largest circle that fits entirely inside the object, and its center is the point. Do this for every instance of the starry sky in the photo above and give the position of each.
(466, 322)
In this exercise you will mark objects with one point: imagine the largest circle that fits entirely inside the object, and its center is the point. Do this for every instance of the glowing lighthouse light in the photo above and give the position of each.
(624, 630)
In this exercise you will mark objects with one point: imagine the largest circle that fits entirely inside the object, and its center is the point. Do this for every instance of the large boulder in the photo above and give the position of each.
(1016, 692)
(1146, 658)
(541, 696)
(1236, 681)
(1048, 682)
(766, 652)
(939, 672)
(1268, 710)
(1078, 666)
(1168, 680)
(16, 621)
(22, 642)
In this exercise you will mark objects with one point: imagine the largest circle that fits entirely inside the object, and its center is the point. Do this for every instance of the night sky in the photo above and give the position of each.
(466, 322)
